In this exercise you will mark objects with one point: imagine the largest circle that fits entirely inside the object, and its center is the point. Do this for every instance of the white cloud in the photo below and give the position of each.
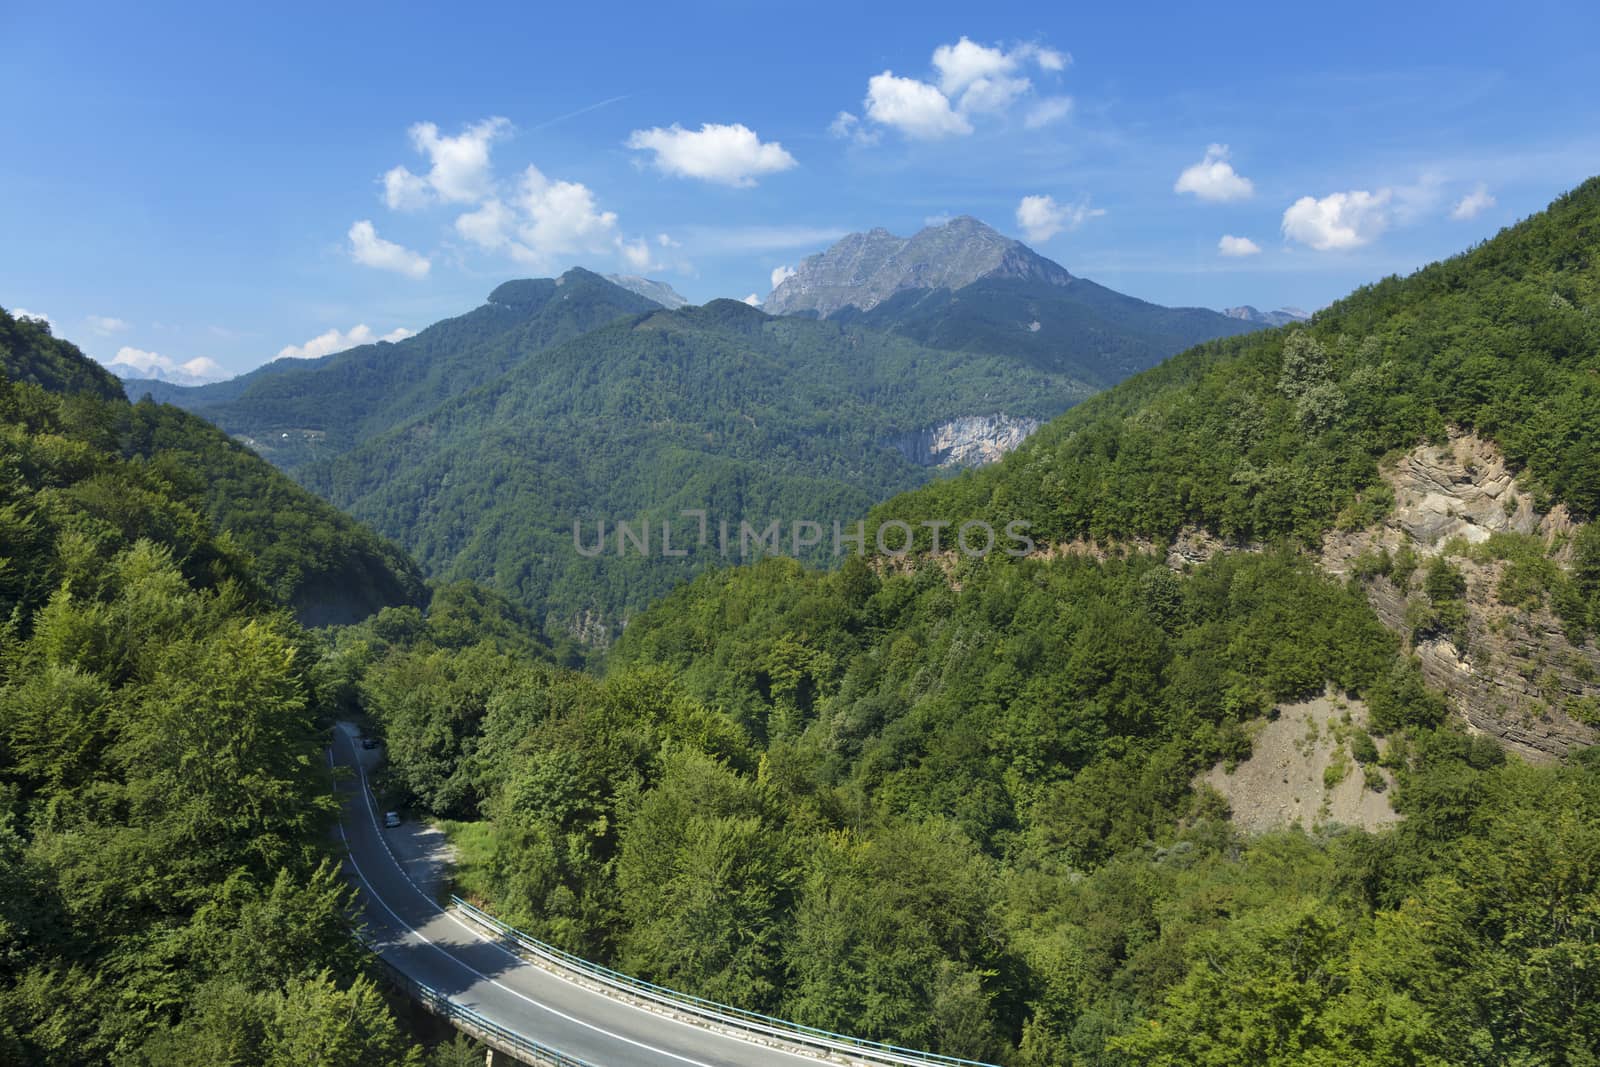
(965, 62)
(533, 219)
(969, 79)
(915, 108)
(637, 254)
(544, 220)
(1230, 245)
(562, 217)
(325, 344)
(781, 275)
(105, 325)
(1041, 218)
(724, 154)
(1418, 200)
(753, 300)
(1473, 204)
(404, 191)
(980, 78)
(34, 316)
(1047, 58)
(134, 362)
(846, 126)
(666, 242)
(1338, 221)
(460, 171)
(1050, 109)
(1213, 178)
(367, 248)
(490, 227)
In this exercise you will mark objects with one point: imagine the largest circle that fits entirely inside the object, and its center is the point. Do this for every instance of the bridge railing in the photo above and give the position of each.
(475, 1025)
(709, 1011)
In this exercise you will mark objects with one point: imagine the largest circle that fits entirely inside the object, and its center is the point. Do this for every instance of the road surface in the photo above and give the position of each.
(434, 947)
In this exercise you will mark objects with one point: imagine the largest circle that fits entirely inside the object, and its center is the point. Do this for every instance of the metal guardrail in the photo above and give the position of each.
(749, 1022)
(470, 1022)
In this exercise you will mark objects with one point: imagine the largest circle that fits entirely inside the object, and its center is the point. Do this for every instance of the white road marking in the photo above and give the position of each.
(373, 891)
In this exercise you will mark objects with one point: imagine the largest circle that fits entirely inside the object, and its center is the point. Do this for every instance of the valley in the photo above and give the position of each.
(998, 538)
(579, 400)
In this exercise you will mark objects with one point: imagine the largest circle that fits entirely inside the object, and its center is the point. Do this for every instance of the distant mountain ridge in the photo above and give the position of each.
(479, 441)
(746, 416)
(179, 377)
(1281, 317)
(650, 289)
(864, 269)
(963, 286)
(297, 410)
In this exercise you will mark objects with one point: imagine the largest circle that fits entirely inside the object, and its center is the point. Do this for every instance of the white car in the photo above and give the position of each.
(391, 818)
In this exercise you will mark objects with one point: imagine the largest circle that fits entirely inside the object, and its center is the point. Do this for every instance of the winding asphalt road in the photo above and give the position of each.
(436, 948)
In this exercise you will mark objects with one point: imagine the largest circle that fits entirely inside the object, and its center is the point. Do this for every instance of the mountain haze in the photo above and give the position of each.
(478, 442)
(961, 285)
(1281, 317)
(721, 407)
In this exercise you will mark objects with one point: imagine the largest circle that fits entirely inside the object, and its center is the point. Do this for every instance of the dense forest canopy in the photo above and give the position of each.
(478, 443)
(719, 408)
(166, 891)
(147, 470)
(954, 804)
(951, 804)
(29, 352)
(356, 394)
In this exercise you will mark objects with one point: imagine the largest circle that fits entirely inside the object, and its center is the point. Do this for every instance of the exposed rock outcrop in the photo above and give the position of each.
(650, 289)
(1301, 772)
(1281, 317)
(971, 441)
(1513, 672)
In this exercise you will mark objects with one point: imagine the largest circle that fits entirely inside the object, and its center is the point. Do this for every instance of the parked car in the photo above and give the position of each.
(369, 742)
(391, 818)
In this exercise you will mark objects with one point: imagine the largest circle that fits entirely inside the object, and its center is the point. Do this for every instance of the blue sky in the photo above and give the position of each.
(210, 186)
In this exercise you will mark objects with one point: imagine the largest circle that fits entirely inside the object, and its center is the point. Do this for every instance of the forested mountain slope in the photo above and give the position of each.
(955, 802)
(721, 408)
(479, 442)
(295, 411)
(30, 353)
(165, 892)
(307, 555)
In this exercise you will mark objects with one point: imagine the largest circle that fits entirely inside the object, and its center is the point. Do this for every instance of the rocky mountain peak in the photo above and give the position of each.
(864, 269)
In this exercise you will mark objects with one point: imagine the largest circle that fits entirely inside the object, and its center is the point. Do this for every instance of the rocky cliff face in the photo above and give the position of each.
(1281, 317)
(966, 442)
(650, 289)
(1513, 673)
(865, 269)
